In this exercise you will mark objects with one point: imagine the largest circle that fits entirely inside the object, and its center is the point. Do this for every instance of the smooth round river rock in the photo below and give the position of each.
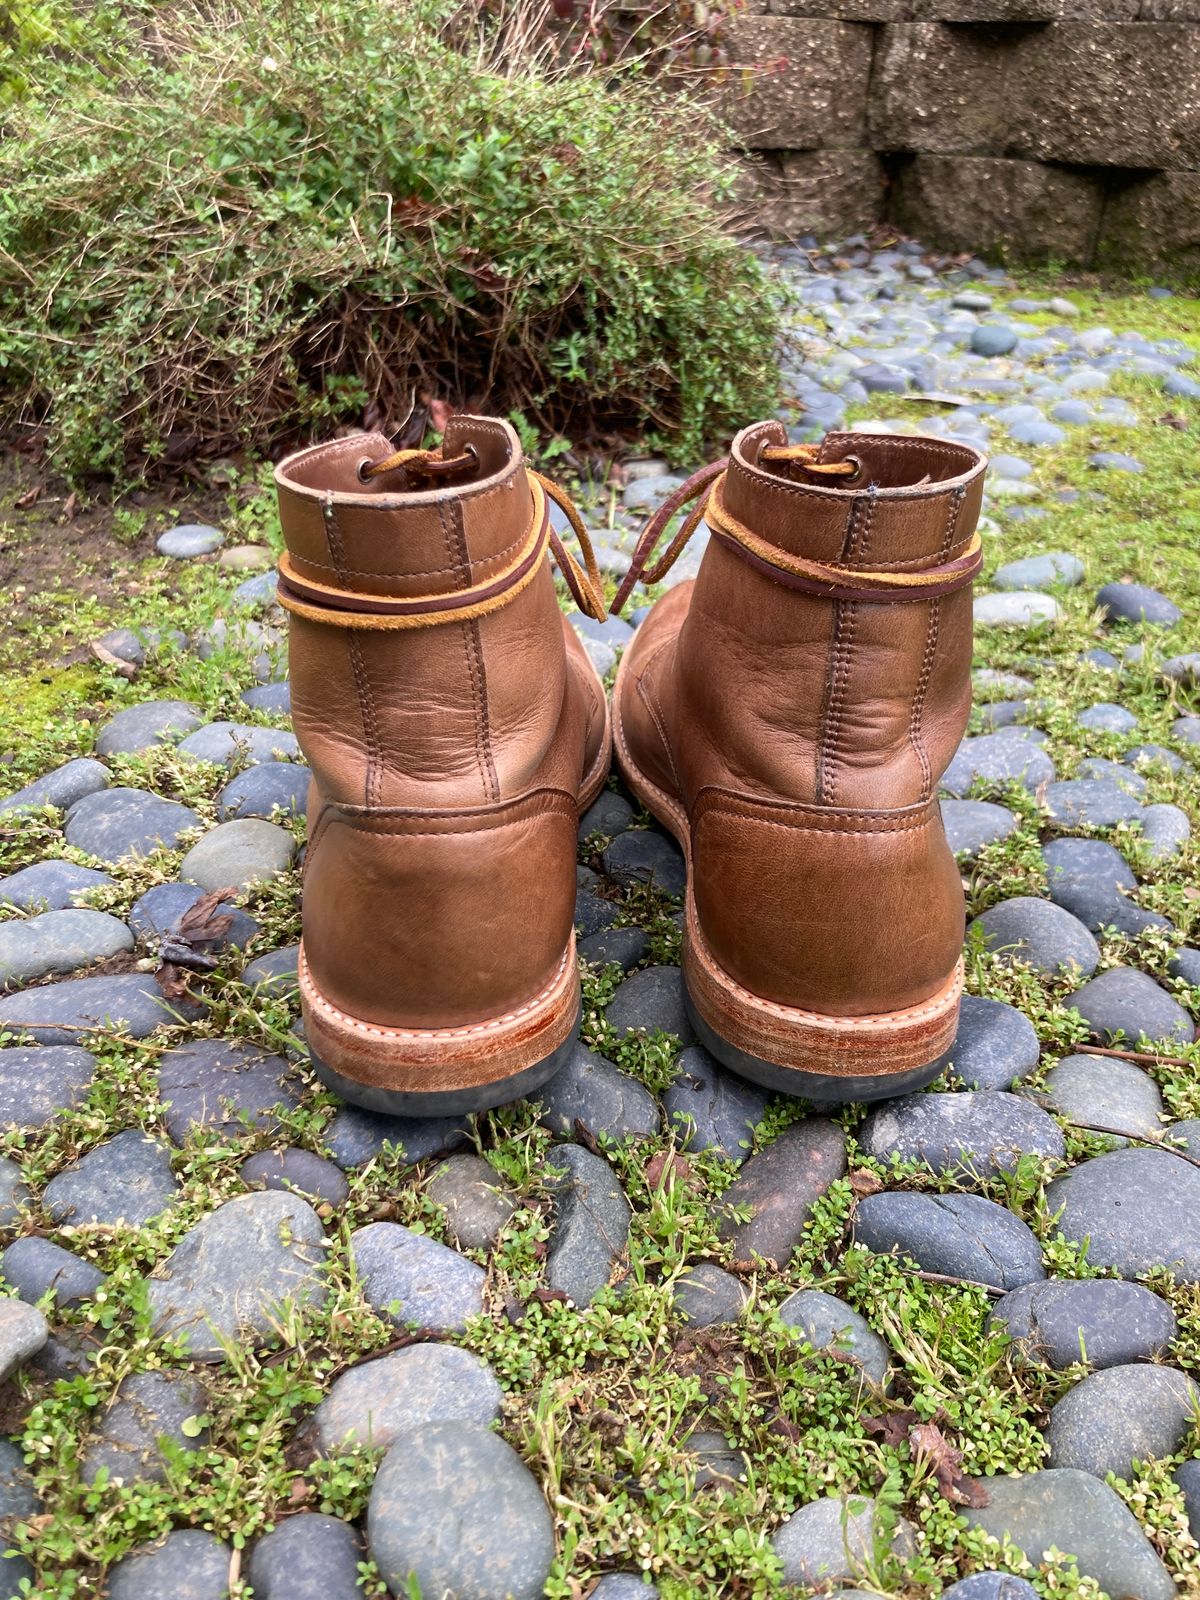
(1124, 1003)
(38, 1083)
(780, 1185)
(1040, 933)
(455, 1511)
(228, 1277)
(961, 1235)
(1122, 1415)
(1098, 1320)
(60, 788)
(1093, 881)
(713, 1109)
(377, 1401)
(478, 1206)
(115, 823)
(411, 1278)
(58, 942)
(591, 1222)
(50, 885)
(309, 1557)
(139, 727)
(1137, 1210)
(1065, 1509)
(834, 1539)
(188, 1564)
(67, 1012)
(237, 854)
(830, 1326)
(128, 1179)
(976, 1132)
(1103, 1094)
(995, 1047)
(590, 1090)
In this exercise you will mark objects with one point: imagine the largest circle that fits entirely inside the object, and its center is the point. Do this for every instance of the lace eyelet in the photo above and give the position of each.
(853, 477)
(364, 474)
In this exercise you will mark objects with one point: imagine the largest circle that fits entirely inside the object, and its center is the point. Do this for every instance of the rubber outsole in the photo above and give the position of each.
(815, 1087)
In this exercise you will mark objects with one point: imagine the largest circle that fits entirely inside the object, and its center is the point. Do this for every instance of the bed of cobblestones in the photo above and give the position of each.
(656, 1327)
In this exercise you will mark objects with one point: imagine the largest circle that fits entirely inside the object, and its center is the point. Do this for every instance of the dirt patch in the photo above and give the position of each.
(55, 542)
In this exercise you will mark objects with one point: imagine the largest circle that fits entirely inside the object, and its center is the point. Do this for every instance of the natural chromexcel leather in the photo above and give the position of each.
(448, 761)
(804, 736)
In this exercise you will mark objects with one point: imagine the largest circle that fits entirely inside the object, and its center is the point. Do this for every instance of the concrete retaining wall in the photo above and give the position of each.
(1044, 129)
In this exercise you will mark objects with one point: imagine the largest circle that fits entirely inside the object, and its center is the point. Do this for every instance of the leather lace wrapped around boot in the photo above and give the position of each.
(788, 716)
(455, 728)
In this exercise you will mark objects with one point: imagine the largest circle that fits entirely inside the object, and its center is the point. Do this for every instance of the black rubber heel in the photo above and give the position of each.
(823, 1089)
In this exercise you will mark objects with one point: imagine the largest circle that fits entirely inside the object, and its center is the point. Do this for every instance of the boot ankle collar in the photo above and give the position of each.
(387, 538)
(913, 504)
(890, 466)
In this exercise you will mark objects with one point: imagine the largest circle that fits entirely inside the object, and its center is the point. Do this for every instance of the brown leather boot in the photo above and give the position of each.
(788, 717)
(456, 729)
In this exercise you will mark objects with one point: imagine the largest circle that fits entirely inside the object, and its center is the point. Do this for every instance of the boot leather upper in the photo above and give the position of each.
(804, 737)
(447, 760)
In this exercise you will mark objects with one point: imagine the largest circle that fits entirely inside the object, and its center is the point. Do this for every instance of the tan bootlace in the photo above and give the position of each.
(814, 577)
(352, 609)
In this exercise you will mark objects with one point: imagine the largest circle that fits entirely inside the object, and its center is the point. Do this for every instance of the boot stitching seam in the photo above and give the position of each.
(650, 702)
(916, 715)
(468, 833)
(901, 825)
(932, 632)
(545, 797)
(456, 548)
(427, 572)
(366, 709)
(479, 680)
(371, 782)
(845, 622)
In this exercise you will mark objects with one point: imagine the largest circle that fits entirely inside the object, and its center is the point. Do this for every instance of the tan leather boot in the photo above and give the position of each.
(456, 729)
(788, 717)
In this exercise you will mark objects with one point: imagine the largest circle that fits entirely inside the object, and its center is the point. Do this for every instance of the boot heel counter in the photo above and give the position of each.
(843, 912)
(469, 912)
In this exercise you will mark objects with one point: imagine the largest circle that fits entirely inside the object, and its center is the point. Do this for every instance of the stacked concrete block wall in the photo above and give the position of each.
(1043, 129)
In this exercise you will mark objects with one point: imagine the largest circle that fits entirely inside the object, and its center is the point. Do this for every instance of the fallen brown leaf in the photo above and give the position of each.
(123, 669)
(200, 925)
(29, 498)
(863, 1182)
(930, 1444)
(670, 1167)
(786, 1430)
(172, 981)
(586, 1137)
(892, 1427)
(192, 939)
(70, 506)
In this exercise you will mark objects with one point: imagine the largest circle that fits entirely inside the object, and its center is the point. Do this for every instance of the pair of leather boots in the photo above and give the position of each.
(787, 716)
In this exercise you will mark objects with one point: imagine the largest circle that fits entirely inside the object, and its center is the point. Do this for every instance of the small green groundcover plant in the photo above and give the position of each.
(229, 225)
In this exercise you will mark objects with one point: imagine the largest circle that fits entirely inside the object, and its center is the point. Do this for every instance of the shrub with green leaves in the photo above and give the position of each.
(230, 227)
